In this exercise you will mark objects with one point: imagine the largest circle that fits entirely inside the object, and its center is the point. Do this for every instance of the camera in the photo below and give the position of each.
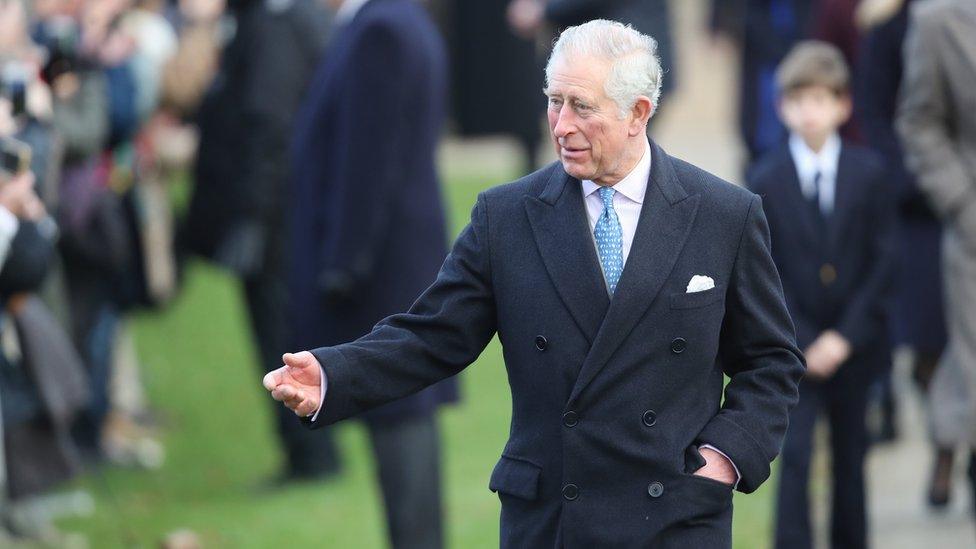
(15, 158)
(13, 86)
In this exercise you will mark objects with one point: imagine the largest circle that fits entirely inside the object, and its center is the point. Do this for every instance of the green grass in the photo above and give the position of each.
(201, 373)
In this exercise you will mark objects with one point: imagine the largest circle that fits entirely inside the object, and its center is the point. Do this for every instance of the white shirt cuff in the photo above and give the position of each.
(738, 475)
(9, 224)
(323, 387)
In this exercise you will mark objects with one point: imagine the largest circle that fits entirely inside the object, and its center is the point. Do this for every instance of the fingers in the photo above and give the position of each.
(272, 379)
(287, 395)
(294, 400)
(293, 396)
(306, 408)
(300, 360)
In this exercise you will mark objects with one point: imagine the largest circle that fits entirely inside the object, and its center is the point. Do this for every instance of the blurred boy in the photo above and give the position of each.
(830, 223)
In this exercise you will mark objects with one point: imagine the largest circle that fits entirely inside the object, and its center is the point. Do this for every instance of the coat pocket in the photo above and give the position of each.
(697, 299)
(515, 477)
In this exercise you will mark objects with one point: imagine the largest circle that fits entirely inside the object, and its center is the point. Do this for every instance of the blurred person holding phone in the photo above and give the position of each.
(17, 198)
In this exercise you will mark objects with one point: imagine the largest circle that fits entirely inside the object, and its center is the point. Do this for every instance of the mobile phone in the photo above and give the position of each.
(15, 157)
(13, 86)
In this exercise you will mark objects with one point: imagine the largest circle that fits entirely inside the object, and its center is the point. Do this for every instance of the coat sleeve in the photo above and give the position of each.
(443, 332)
(925, 122)
(759, 354)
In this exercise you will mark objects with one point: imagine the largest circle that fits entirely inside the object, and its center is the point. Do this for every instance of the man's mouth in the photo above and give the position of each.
(572, 152)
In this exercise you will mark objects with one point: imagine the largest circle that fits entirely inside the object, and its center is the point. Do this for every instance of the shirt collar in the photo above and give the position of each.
(634, 185)
(348, 10)
(809, 163)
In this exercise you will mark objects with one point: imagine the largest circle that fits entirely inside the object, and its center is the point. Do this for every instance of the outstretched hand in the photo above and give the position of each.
(297, 384)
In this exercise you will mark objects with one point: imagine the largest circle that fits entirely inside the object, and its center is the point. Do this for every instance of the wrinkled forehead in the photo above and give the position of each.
(579, 75)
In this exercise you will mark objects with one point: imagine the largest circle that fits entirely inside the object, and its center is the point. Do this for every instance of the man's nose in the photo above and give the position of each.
(565, 122)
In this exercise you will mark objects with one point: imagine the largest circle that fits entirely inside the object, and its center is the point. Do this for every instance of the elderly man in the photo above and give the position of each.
(623, 283)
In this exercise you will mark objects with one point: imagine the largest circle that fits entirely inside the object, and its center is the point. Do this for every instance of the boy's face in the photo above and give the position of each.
(814, 112)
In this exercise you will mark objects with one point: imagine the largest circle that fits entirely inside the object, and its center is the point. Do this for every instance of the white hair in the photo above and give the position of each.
(635, 68)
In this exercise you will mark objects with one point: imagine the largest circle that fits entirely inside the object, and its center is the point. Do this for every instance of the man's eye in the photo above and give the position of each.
(555, 102)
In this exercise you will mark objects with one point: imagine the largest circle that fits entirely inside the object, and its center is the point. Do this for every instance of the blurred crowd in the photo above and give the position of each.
(94, 99)
(104, 103)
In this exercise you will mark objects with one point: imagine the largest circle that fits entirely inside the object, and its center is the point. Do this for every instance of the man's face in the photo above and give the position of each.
(814, 112)
(590, 138)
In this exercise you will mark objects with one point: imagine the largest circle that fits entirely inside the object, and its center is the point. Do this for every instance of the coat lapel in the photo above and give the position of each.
(843, 198)
(665, 222)
(562, 235)
(799, 203)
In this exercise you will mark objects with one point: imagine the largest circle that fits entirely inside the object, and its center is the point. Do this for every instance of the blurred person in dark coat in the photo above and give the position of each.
(836, 22)
(937, 124)
(368, 225)
(918, 316)
(495, 76)
(772, 27)
(830, 222)
(236, 214)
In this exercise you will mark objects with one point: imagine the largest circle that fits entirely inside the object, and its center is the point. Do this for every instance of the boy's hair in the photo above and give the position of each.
(813, 63)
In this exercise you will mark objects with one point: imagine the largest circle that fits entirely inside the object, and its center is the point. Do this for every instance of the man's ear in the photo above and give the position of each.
(640, 113)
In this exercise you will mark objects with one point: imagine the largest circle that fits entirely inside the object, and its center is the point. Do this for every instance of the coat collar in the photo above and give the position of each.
(562, 236)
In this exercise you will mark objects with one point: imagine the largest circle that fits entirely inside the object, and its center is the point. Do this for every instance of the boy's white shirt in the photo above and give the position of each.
(808, 163)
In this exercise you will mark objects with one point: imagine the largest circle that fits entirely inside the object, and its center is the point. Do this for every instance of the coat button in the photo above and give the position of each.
(649, 418)
(828, 274)
(570, 419)
(541, 342)
(655, 489)
(678, 345)
(570, 492)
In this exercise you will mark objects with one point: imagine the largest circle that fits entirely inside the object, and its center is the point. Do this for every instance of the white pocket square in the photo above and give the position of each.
(699, 283)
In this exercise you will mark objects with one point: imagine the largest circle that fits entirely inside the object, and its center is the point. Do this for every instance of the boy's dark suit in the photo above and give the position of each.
(836, 273)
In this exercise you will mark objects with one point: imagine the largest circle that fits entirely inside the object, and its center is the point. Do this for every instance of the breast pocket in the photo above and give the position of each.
(695, 300)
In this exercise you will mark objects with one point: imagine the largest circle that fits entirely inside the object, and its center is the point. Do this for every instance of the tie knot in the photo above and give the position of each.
(606, 194)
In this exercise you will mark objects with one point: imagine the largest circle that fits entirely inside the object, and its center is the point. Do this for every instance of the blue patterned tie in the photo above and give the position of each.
(609, 240)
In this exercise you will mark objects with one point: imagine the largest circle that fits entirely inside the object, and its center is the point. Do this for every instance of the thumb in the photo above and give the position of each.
(271, 380)
(300, 360)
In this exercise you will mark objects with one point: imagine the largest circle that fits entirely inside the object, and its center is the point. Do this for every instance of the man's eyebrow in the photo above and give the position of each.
(567, 95)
